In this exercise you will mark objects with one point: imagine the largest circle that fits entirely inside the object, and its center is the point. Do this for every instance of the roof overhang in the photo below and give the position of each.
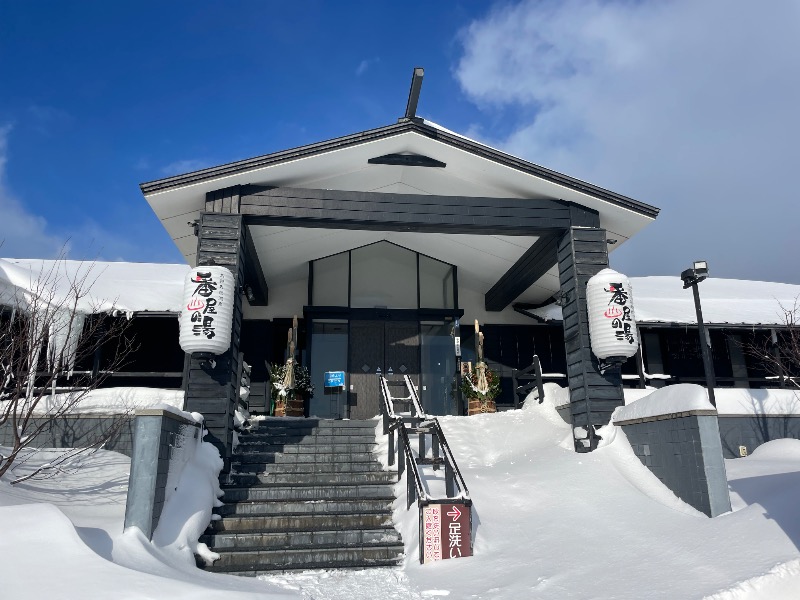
(471, 169)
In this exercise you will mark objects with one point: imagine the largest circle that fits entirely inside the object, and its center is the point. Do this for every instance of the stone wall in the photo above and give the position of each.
(748, 432)
(78, 431)
(684, 451)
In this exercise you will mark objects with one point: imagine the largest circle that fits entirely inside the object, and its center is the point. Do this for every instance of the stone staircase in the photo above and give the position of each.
(305, 494)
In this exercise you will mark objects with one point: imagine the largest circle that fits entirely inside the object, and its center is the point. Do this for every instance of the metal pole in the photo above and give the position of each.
(708, 364)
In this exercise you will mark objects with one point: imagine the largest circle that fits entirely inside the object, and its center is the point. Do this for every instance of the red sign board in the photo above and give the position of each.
(445, 532)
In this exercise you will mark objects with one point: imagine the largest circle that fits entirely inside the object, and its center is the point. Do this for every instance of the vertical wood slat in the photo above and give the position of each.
(582, 252)
(222, 377)
(224, 201)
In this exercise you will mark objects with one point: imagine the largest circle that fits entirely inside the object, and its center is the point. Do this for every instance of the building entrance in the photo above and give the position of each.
(391, 346)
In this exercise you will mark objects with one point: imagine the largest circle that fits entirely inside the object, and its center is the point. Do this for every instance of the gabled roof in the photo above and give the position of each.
(413, 157)
(419, 126)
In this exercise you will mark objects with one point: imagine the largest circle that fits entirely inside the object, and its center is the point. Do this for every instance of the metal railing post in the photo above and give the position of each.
(515, 387)
(401, 458)
(449, 480)
(435, 449)
(391, 446)
(539, 384)
(411, 490)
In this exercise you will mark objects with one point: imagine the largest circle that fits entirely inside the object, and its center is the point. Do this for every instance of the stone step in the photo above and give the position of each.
(258, 561)
(321, 438)
(308, 492)
(309, 507)
(265, 447)
(322, 479)
(234, 542)
(309, 467)
(301, 522)
(312, 424)
(292, 457)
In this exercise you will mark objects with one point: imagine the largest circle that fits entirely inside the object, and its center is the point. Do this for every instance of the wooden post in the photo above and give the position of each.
(212, 387)
(582, 252)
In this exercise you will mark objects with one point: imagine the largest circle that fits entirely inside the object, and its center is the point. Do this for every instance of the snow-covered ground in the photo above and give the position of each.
(548, 524)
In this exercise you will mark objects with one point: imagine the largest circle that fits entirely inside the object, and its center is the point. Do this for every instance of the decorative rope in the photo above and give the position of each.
(482, 386)
(288, 378)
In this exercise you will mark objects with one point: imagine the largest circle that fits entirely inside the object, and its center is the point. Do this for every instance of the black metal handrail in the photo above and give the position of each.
(412, 393)
(534, 379)
(421, 424)
(455, 477)
(414, 486)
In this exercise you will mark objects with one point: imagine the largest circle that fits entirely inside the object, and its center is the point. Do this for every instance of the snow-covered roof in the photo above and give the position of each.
(140, 287)
(724, 301)
(112, 286)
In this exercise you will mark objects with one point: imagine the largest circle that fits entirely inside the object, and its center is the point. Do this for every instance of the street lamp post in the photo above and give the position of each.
(691, 277)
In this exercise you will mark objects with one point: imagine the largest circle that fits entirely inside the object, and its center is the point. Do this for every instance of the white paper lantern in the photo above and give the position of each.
(207, 311)
(612, 323)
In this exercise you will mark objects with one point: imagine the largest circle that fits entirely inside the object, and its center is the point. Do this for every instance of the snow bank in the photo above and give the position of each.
(101, 562)
(552, 524)
(663, 300)
(744, 401)
(785, 449)
(115, 400)
(679, 398)
(188, 507)
(554, 395)
(737, 401)
(44, 557)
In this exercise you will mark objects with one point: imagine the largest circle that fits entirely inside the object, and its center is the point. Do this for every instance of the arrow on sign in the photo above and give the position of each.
(455, 513)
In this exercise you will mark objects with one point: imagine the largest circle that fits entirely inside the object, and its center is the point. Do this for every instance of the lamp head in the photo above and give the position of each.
(696, 274)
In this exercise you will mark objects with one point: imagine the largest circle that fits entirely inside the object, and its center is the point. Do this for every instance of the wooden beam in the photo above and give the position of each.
(536, 261)
(225, 201)
(255, 284)
(336, 209)
(407, 160)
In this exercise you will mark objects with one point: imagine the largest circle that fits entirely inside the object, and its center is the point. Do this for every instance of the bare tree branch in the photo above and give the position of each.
(47, 329)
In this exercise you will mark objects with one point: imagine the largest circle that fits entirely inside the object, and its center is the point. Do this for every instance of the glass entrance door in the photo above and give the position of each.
(328, 353)
(438, 364)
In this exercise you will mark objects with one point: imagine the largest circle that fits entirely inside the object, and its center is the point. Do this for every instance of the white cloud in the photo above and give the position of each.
(690, 106)
(22, 233)
(179, 167)
(365, 64)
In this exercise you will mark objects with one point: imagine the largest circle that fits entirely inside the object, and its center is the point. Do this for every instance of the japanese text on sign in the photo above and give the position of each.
(445, 532)
(203, 305)
(620, 313)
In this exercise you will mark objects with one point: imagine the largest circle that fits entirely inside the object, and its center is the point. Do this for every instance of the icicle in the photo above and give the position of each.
(64, 332)
(37, 325)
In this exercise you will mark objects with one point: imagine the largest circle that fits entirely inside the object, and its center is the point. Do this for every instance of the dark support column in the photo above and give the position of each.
(582, 252)
(211, 387)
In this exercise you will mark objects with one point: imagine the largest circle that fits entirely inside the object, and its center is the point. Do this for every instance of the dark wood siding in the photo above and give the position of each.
(212, 390)
(582, 253)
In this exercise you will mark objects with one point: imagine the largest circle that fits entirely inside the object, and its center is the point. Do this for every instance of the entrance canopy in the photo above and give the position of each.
(415, 184)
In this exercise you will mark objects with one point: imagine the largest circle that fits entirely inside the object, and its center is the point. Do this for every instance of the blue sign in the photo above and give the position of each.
(334, 379)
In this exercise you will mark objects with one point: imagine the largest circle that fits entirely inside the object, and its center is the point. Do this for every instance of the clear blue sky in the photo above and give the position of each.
(96, 97)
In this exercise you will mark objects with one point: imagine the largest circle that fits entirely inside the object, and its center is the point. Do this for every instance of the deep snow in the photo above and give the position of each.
(549, 524)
